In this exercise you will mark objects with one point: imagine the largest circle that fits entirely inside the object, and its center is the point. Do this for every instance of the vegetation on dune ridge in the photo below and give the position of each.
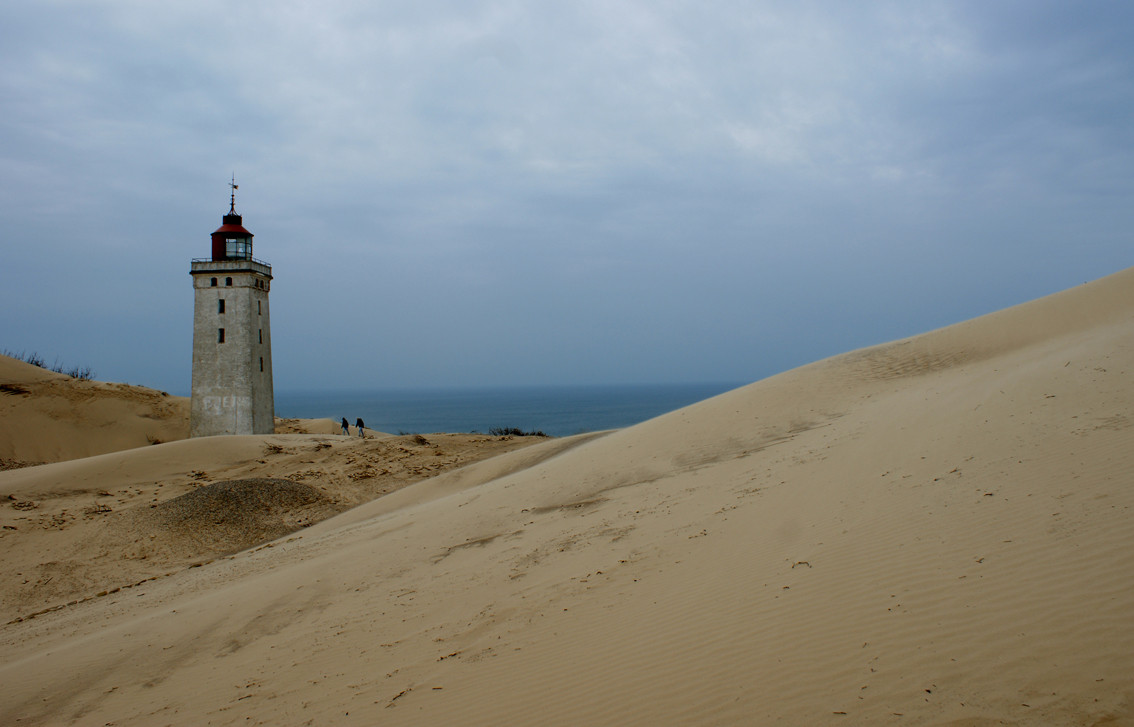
(513, 432)
(83, 373)
(495, 432)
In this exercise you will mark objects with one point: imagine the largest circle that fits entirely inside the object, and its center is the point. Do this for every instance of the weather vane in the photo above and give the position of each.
(232, 206)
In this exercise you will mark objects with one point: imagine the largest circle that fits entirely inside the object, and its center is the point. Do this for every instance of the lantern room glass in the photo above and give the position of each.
(238, 248)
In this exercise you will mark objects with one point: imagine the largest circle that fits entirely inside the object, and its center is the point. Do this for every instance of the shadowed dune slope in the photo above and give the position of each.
(51, 417)
(930, 532)
(48, 417)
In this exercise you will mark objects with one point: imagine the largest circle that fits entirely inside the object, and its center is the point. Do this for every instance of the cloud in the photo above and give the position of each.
(597, 191)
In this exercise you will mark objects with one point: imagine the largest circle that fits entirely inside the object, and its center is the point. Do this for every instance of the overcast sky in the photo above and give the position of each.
(475, 193)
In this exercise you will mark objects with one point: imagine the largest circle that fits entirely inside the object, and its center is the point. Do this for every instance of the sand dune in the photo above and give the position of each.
(50, 417)
(78, 528)
(933, 531)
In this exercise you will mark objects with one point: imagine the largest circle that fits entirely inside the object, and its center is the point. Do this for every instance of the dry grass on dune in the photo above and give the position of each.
(930, 532)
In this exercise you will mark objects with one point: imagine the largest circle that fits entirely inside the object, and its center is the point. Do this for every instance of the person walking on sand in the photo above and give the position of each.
(360, 426)
(346, 428)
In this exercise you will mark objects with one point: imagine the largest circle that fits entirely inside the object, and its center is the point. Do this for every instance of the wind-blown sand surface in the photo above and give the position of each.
(933, 531)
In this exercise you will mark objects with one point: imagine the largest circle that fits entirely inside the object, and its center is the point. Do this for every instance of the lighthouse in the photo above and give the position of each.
(232, 339)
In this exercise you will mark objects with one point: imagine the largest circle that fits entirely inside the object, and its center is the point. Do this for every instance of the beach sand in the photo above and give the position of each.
(935, 531)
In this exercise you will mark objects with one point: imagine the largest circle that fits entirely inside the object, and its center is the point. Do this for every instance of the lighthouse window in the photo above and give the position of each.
(261, 363)
(220, 306)
(257, 307)
(213, 283)
(228, 281)
(261, 332)
(238, 247)
(220, 335)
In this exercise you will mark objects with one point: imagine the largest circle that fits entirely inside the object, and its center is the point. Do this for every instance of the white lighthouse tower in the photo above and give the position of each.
(232, 339)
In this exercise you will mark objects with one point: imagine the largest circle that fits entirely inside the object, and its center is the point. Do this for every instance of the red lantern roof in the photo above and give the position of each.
(232, 224)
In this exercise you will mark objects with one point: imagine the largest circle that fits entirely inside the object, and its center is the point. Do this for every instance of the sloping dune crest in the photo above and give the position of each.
(51, 417)
(933, 531)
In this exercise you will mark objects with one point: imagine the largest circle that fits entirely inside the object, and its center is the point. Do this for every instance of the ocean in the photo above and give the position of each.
(554, 410)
